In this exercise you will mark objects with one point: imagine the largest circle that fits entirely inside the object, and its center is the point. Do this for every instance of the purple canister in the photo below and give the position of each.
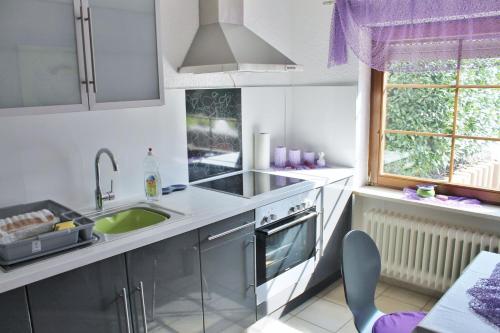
(294, 156)
(309, 157)
(280, 157)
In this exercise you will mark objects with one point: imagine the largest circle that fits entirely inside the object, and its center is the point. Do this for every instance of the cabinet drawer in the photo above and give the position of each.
(216, 230)
(227, 253)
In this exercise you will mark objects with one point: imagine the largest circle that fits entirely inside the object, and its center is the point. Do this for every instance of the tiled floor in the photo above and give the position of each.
(328, 312)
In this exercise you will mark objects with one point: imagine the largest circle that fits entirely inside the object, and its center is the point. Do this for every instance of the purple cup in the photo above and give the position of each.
(294, 157)
(280, 157)
(309, 157)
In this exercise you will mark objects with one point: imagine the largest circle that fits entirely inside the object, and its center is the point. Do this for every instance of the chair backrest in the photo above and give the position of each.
(360, 273)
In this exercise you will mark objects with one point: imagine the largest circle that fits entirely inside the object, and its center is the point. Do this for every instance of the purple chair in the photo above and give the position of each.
(360, 274)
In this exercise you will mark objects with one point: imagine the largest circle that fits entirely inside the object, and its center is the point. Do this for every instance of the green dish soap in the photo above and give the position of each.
(152, 177)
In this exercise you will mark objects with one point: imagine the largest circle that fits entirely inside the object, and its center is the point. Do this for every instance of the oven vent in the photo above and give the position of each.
(224, 43)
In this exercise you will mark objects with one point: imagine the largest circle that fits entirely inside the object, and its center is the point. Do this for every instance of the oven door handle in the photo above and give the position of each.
(270, 232)
(225, 233)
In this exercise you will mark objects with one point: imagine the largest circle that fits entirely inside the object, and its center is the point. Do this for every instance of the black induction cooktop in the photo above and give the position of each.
(249, 184)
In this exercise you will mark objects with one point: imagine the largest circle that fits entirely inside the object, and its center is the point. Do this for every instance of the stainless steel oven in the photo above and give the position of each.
(287, 245)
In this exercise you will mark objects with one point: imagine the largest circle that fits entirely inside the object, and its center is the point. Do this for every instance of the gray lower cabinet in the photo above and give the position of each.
(227, 252)
(87, 299)
(165, 286)
(203, 280)
(14, 313)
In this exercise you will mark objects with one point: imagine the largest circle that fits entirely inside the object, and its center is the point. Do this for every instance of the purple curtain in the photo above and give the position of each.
(414, 35)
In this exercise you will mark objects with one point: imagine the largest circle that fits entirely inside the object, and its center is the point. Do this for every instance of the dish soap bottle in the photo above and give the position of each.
(152, 177)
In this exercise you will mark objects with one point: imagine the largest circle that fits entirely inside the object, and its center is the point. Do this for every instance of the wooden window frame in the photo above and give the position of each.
(376, 143)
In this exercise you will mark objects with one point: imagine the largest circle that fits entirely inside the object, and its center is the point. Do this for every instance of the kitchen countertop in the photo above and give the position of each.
(200, 207)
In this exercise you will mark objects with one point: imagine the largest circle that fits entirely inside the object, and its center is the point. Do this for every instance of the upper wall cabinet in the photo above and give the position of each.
(76, 55)
(123, 49)
(40, 55)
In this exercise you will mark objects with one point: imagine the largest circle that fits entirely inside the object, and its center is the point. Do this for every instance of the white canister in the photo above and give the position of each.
(294, 156)
(280, 157)
(262, 151)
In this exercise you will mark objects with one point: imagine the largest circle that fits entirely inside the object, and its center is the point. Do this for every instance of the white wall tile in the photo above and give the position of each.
(12, 189)
(263, 111)
(323, 118)
(52, 156)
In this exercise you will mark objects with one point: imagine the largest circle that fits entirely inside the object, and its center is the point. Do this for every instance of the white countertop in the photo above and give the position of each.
(200, 206)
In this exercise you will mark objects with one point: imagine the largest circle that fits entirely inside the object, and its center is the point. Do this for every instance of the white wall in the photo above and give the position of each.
(298, 28)
(362, 125)
(264, 110)
(52, 156)
(323, 118)
(310, 42)
(271, 19)
(309, 118)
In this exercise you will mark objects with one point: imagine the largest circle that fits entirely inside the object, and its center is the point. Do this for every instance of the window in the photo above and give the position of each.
(440, 127)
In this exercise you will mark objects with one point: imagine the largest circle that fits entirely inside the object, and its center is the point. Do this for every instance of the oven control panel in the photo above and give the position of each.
(281, 209)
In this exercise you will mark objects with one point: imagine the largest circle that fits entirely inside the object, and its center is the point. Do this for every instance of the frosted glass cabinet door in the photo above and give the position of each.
(125, 51)
(38, 54)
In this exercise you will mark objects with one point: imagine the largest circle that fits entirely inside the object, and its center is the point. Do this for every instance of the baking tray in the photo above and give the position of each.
(47, 243)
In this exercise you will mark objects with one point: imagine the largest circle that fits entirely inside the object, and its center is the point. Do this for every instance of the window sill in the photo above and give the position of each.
(485, 211)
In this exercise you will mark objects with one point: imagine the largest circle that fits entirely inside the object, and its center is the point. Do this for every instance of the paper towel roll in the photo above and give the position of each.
(262, 151)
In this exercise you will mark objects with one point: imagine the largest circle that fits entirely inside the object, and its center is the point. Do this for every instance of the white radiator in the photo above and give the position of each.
(423, 252)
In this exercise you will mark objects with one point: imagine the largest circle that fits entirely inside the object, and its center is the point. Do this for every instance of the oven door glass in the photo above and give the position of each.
(285, 244)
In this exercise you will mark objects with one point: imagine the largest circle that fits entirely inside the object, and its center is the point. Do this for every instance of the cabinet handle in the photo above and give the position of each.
(140, 288)
(291, 224)
(125, 303)
(254, 242)
(225, 233)
(254, 255)
(92, 52)
(81, 19)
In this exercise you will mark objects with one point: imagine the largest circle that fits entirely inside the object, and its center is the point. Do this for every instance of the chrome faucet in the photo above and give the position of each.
(99, 197)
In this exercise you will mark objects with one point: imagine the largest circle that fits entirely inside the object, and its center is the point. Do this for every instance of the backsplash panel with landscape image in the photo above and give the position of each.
(214, 134)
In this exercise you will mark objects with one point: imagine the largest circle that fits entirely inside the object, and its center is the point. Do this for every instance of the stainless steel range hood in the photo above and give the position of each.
(224, 44)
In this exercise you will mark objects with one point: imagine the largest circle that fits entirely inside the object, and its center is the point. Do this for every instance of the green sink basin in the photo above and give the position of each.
(129, 220)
